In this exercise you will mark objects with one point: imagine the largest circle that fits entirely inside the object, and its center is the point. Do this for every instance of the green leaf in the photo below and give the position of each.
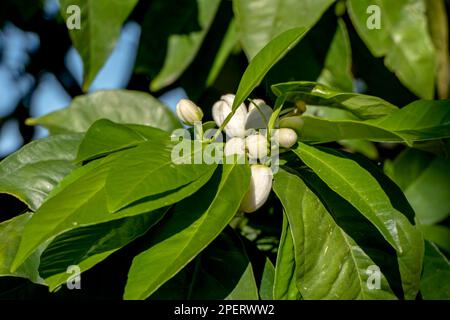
(264, 60)
(362, 106)
(420, 120)
(440, 235)
(90, 245)
(260, 21)
(228, 44)
(438, 28)
(330, 264)
(150, 170)
(267, 280)
(11, 233)
(31, 172)
(425, 182)
(210, 277)
(337, 72)
(80, 200)
(366, 192)
(402, 39)
(285, 287)
(100, 25)
(121, 106)
(195, 222)
(321, 130)
(172, 36)
(364, 147)
(105, 137)
(408, 165)
(435, 283)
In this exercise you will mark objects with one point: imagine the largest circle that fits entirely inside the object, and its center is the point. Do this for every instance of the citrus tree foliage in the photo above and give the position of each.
(103, 186)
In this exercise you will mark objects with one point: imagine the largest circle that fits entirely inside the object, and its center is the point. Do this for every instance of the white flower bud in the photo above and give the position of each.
(259, 189)
(256, 146)
(234, 146)
(221, 109)
(295, 123)
(188, 112)
(258, 117)
(286, 137)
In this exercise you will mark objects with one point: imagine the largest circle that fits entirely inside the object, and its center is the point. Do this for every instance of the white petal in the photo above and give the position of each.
(259, 189)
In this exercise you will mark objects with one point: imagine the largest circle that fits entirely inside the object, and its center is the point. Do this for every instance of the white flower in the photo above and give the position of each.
(234, 146)
(256, 146)
(222, 108)
(286, 137)
(188, 112)
(259, 189)
(256, 102)
(258, 117)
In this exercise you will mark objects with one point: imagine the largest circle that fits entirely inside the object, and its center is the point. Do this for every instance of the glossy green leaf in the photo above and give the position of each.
(150, 170)
(171, 37)
(435, 283)
(367, 192)
(229, 42)
(285, 287)
(440, 235)
(438, 27)
(364, 147)
(425, 182)
(210, 277)
(407, 166)
(321, 130)
(402, 38)
(330, 264)
(337, 72)
(90, 245)
(195, 222)
(100, 25)
(80, 200)
(105, 137)
(121, 106)
(11, 233)
(267, 280)
(77, 193)
(362, 106)
(260, 21)
(31, 172)
(264, 60)
(420, 120)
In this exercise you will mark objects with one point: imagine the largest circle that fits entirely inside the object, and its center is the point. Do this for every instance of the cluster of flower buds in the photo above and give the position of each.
(245, 137)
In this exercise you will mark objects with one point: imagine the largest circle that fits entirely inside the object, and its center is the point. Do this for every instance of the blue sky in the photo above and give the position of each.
(50, 95)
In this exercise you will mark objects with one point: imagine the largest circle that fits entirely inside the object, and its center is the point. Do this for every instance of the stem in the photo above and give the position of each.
(276, 112)
(198, 130)
(224, 123)
(286, 111)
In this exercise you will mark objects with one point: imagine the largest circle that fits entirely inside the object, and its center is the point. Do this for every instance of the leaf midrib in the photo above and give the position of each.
(374, 213)
(199, 224)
